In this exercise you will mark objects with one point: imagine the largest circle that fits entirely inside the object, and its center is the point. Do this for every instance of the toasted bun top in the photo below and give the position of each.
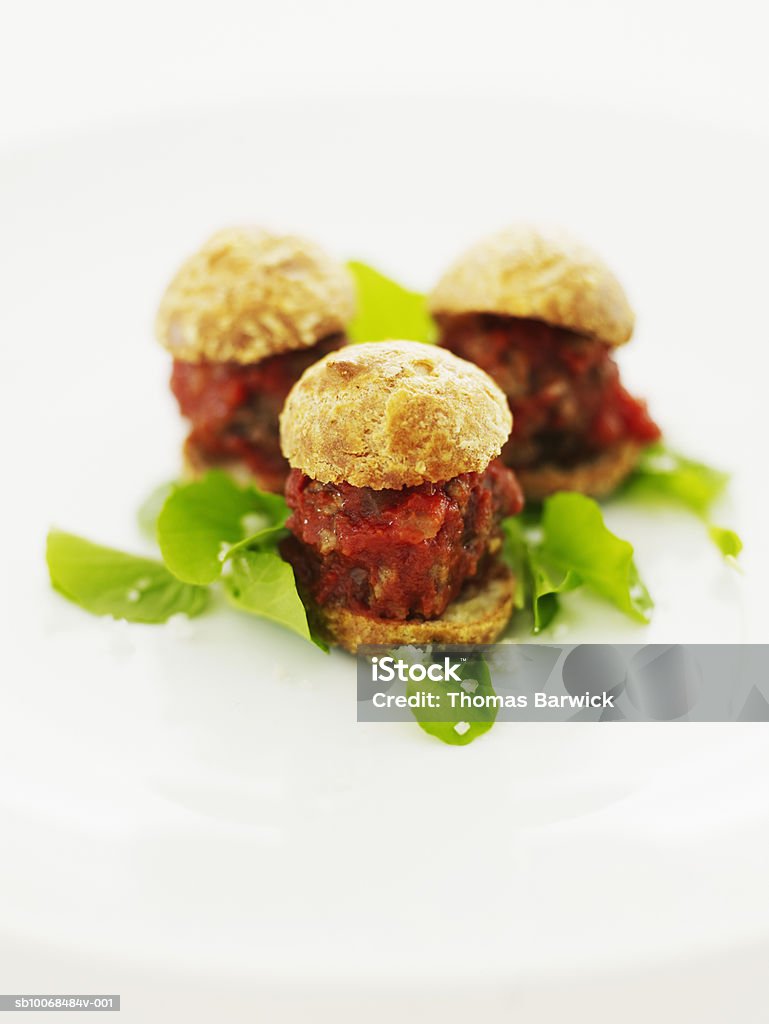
(248, 294)
(538, 275)
(392, 414)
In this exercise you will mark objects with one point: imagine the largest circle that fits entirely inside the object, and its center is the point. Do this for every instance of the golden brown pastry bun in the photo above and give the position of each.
(248, 294)
(393, 414)
(537, 275)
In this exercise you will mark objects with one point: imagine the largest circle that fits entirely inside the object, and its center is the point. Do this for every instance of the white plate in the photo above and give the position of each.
(196, 806)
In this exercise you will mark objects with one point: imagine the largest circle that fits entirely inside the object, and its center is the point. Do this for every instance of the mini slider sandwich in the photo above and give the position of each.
(243, 318)
(397, 495)
(542, 315)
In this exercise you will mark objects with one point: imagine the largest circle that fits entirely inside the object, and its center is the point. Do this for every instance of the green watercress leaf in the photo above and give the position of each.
(537, 585)
(261, 583)
(457, 726)
(104, 581)
(727, 541)
(575, 540)
(666, 473)
(200, 521)
(515, 551)
(387, 310)
(547, 583)
(269, 538)
(150, 509)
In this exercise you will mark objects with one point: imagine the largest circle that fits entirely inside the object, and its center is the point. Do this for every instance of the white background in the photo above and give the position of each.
(68, 65)
(162, 828)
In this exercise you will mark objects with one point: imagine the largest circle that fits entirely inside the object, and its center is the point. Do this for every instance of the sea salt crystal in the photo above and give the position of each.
(461, 728)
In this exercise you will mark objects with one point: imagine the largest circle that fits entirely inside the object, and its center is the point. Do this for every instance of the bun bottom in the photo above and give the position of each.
(195, 464)
(477, 616)
(596, 478)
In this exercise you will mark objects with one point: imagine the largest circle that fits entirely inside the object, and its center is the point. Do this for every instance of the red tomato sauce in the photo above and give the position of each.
(564, 390)
(396, 554)
(233, 408)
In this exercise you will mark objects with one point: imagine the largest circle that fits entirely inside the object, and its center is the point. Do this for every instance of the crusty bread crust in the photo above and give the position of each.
(248, 294)
(597, 478)
(539, 275)
(477, 616)
(393, 414)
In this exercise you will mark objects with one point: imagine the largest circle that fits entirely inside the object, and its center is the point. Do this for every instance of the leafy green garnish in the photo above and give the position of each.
(206, 529)
(546, 585)
(387, 310)
(150, 509)
(261, 583)
(213, 527)
(664, 473)
(661, 471)
(576, 540)
(457, 726)
(267, 538)
(201, 521)
(569, 548)
(727, 541)
(537, 585)
(516, 553)
(108, 582)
